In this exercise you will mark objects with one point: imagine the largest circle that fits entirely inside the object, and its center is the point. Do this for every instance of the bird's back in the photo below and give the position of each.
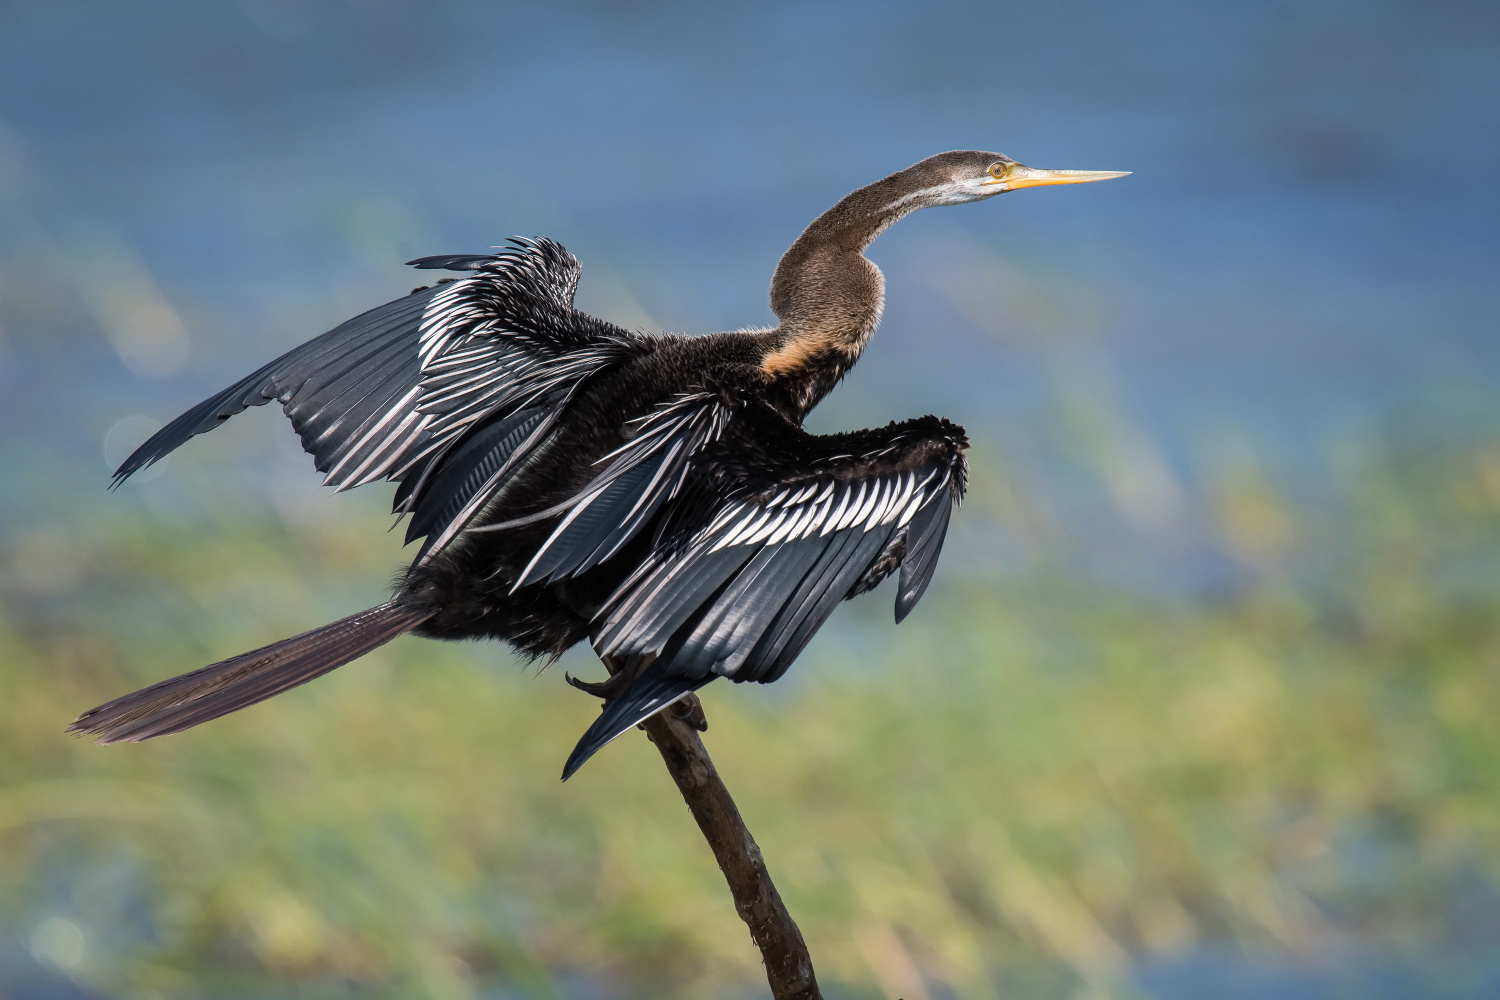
(471, 580)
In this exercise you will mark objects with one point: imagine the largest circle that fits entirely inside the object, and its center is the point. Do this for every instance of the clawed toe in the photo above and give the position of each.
(606, 690)
(623, 673)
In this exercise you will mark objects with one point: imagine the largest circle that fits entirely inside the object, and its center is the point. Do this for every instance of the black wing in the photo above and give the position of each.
(401, 390)
(765, 528)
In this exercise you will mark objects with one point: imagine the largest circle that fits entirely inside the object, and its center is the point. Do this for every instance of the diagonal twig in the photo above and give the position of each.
(788, 965)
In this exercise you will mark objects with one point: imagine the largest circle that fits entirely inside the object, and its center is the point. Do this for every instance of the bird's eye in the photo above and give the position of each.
(999, 170)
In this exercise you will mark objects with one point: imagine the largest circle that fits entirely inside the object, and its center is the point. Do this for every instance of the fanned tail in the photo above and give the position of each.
(180, 703)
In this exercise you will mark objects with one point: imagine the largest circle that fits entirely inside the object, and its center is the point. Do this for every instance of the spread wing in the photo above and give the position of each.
(764, 530)
(443, 390)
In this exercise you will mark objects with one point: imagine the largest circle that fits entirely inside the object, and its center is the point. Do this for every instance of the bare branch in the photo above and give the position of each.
(788, 966)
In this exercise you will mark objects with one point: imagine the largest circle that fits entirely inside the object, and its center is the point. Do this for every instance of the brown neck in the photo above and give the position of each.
(827, 296)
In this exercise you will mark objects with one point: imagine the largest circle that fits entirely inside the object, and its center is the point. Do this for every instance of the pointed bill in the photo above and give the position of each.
(1021, 176)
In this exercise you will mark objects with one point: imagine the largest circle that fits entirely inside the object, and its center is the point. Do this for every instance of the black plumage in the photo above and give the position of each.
(571, 480)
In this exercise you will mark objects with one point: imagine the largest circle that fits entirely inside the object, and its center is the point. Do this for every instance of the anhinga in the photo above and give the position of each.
(653, 494)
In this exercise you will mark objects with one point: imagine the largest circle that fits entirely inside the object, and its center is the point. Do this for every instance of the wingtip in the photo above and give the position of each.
(577, 759)
(128, 468)
(604, 731)
(644, 698)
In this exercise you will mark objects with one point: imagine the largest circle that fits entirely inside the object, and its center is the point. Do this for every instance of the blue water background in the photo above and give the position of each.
(1309, 244)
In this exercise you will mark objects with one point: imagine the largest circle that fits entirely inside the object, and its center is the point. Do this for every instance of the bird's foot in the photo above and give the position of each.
(607, 690)
(622, 675)
(690, 710)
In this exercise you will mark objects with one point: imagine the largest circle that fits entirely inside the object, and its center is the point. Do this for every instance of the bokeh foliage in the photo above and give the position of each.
(1029, 788)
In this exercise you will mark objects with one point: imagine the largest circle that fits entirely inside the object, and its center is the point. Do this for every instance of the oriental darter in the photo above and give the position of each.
(571, 480)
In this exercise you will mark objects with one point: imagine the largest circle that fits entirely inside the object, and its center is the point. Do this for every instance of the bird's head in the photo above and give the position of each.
(972, 175)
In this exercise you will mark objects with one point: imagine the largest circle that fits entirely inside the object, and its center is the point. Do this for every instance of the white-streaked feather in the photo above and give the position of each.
(831, 523)
(755, 517)
(790, 518)
(776, 520)
(872, 495)
(910, 511)
(803, 525)
(846, 516)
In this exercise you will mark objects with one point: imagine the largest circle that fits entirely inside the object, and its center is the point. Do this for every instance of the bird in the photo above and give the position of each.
(654, 495)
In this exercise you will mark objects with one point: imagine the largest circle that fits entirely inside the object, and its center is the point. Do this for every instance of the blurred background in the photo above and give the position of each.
(1203, 702)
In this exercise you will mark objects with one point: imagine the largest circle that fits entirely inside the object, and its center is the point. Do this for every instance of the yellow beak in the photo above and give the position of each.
(1021, 176)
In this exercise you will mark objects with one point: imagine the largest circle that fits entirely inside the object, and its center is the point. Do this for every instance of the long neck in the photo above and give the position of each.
(827, 296)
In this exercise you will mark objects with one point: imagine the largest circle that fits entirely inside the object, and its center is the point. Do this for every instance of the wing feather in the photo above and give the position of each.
(643, 474)
(802, 524)
(925, 537)
(468, 468)
(403, 388)
(821, 586)
(799, 624)
(382, 328)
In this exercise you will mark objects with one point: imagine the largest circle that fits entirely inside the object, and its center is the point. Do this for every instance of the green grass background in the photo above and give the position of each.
(1035, 785)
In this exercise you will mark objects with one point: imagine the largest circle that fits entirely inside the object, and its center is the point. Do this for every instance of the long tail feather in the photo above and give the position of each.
(180, 703)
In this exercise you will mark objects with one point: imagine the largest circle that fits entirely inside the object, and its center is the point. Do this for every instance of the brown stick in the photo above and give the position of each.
(788, 966)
